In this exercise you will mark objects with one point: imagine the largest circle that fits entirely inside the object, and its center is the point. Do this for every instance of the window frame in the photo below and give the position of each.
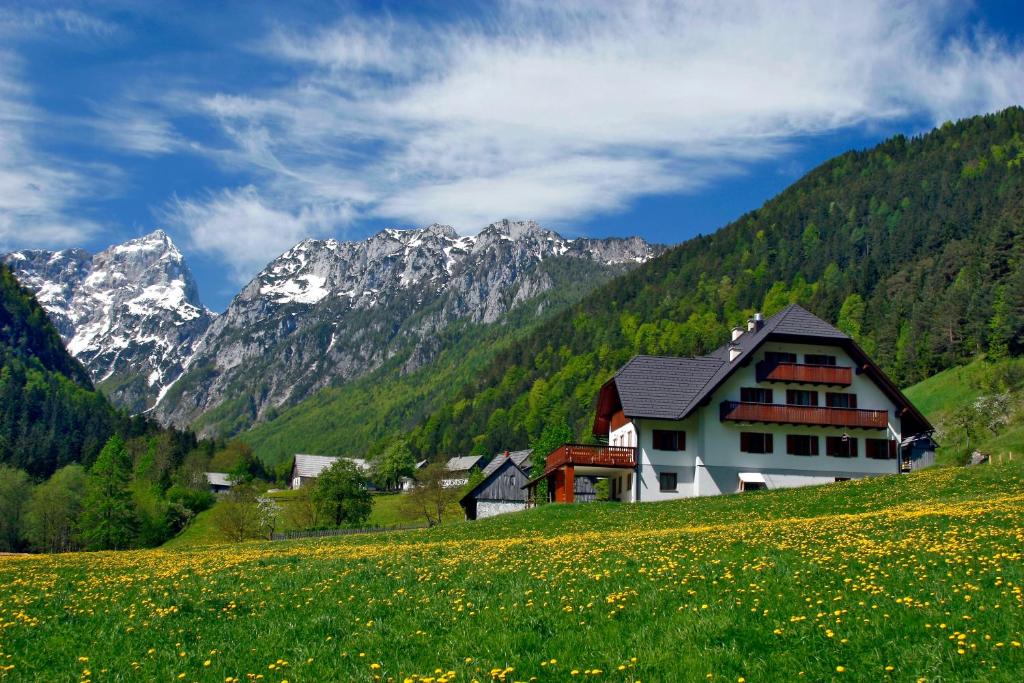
(678, 440)
(813, 443)
(747, 393)
(851, 399)
(767, 443)
(661, 482)
(850, 443)
(890, 451)
(790, 393)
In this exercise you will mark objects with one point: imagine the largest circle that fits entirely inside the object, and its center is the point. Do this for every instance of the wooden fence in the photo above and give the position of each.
(326, 533)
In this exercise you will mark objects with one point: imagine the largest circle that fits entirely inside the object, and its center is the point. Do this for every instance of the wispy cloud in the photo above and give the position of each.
(33, 22)
(560, 112)
(238, 225)
(37, 193)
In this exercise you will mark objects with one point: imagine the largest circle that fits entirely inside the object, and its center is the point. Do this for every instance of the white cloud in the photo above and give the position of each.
(553, 111)
(561, 112)
(238, 226)
(37, 193)
(135, 128)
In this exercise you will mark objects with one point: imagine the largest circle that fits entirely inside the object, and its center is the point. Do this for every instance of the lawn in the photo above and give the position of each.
(386, 512)
(898, 578)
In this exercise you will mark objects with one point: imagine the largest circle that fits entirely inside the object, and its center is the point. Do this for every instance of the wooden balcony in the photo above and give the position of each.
(774, 413)
(594, 456)
(802, 373)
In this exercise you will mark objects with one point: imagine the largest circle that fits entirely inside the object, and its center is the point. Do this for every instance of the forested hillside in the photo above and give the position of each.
(50, 415)
(914, 247)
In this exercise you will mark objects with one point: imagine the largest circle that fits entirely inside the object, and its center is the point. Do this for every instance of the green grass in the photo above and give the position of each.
(199, 532)
(386, 512)
(921, 573)
(942, 396)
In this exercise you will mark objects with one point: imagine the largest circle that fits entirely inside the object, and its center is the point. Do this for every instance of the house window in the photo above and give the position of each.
(780, 357)
(669, 440)
(755, 395)
(819, 359)
(841, 446)
(755, 442)
(752, 486)
(839, 479)
(799, 397)
(880, 449)
(835, 399)
(668, 481)
(801, 444)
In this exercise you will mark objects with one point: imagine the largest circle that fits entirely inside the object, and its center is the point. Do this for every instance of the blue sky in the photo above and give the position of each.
(242, 128)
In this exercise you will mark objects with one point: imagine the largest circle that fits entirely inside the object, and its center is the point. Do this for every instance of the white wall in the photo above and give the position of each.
(492, 508)
(712, 459)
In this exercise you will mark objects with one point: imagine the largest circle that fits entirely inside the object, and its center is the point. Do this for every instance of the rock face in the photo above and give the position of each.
(130, 314)
(328, 311)
(323, 312)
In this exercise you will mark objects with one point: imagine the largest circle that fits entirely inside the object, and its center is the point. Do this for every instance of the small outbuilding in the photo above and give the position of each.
(459, 469)
(219, 482)
(306, 468)
(502, 489)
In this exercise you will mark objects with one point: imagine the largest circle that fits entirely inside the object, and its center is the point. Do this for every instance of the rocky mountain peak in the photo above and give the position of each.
(131, 313)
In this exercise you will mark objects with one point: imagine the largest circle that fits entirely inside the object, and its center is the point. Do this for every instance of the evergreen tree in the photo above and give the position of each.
(15, 491)
(108, 518)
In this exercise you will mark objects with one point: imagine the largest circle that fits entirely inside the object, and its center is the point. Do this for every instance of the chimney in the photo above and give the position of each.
(750, 325)
(734, 352)
(758, 321)
(737, 332)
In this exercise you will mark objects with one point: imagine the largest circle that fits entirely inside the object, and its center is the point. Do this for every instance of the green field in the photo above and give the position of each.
(202, 531)
(942, 396)
(915, 577)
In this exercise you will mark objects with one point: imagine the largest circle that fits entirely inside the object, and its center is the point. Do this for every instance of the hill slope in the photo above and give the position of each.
(49, 413)
(978, 406)
(915, 248)
(907, 577)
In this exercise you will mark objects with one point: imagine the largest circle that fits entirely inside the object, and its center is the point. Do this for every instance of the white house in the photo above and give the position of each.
(306, 468)
(789, 401)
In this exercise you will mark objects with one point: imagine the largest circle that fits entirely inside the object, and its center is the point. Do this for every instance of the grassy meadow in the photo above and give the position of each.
(914, 577)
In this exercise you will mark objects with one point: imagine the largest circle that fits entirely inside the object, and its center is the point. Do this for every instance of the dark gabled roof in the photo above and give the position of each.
(663, 387)
(503, 464)
(671, 388)
(517, 457)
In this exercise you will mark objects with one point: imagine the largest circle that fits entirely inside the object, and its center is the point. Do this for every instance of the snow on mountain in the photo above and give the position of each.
(328, 311)
(324, 311)
(130, 313)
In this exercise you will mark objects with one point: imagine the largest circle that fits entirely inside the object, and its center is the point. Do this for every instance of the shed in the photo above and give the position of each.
(306, 468)
(501, 491)
(219, 482)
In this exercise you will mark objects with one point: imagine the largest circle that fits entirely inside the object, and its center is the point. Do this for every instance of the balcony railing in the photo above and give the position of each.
(736, 411)
(601, 456)
(803, 373)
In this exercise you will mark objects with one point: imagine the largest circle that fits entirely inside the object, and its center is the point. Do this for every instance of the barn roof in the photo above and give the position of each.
(463, 463)
(517, 457)
(218, 478)
(312, 465)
